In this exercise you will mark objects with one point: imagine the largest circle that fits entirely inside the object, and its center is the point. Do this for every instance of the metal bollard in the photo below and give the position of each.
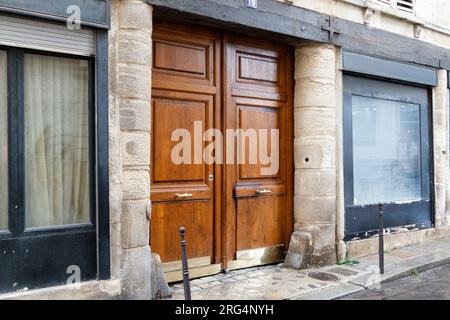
(381, 237)
(184, 264)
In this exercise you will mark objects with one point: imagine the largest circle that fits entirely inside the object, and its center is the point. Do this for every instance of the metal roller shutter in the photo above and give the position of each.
(41, 35)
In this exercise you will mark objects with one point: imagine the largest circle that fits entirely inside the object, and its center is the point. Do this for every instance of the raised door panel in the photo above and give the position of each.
(195, 216)
(259, 220)
(260, 126)
(258, 72)
(185, 54)
(172, 139)
(181, 193)
(176, 58)
(257, 69)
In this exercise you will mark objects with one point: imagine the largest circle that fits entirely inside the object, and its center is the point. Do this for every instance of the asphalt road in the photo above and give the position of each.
(433, 284)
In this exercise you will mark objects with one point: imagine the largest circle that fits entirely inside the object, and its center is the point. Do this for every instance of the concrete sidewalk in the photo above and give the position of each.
(276, 282)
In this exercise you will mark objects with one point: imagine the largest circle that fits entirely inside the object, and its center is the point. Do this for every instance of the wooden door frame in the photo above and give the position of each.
(228, 249)
(218, 168)
(163, 26)
(222, 250)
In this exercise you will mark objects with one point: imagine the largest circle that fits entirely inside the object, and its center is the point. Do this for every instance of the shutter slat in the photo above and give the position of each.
(36, 34)
(404, 5)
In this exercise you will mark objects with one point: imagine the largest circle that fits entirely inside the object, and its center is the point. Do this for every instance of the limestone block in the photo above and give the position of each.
(326, 256)
(115, 200)
(136, 273)
(341, 250)
(135, 14)
(135, 115)
(136, 184)
(134, 82)
(447, 206)
(115, 165)
(310, 210)
(314, 152)
(135, 228)
(447, 219)
(440, 166)
(300, 251)
(324, 236)
(315, 61)
(160, 287)
(440, 119)
(440, 146)
(135, 148)
(315, 93)
(323, 241)
(440, 142)
(312, 121)
(315, 182)
(116, 250)
(440, 192)
(440, 171)
(135, 47)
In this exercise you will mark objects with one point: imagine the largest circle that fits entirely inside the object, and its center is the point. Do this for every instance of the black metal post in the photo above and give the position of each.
(381, 237)
(184, 264)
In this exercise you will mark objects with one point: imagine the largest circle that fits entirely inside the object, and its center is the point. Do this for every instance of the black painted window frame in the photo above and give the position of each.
(375, 67)
(98, 147)
(348, 152)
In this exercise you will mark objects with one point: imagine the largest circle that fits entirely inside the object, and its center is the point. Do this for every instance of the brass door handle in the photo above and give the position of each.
(183, 195)
(263, 191)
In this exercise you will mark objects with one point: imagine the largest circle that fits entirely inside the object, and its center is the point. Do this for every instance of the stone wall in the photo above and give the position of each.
(315, 149)
(130, 92)
(434, 12)
(440, 143)
(423, 25)
(341, 247)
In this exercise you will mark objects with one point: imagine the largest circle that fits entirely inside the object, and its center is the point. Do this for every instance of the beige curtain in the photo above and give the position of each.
(56, 141)
(3, 143)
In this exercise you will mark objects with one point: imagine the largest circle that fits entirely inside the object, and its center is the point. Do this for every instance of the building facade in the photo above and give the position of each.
(118, 122)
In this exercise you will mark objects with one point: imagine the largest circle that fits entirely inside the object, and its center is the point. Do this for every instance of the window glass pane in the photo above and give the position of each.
(386, 151)
(3, 144)
(56, 141)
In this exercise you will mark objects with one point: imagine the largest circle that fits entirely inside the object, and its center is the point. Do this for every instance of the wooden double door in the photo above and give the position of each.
(221, 149)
